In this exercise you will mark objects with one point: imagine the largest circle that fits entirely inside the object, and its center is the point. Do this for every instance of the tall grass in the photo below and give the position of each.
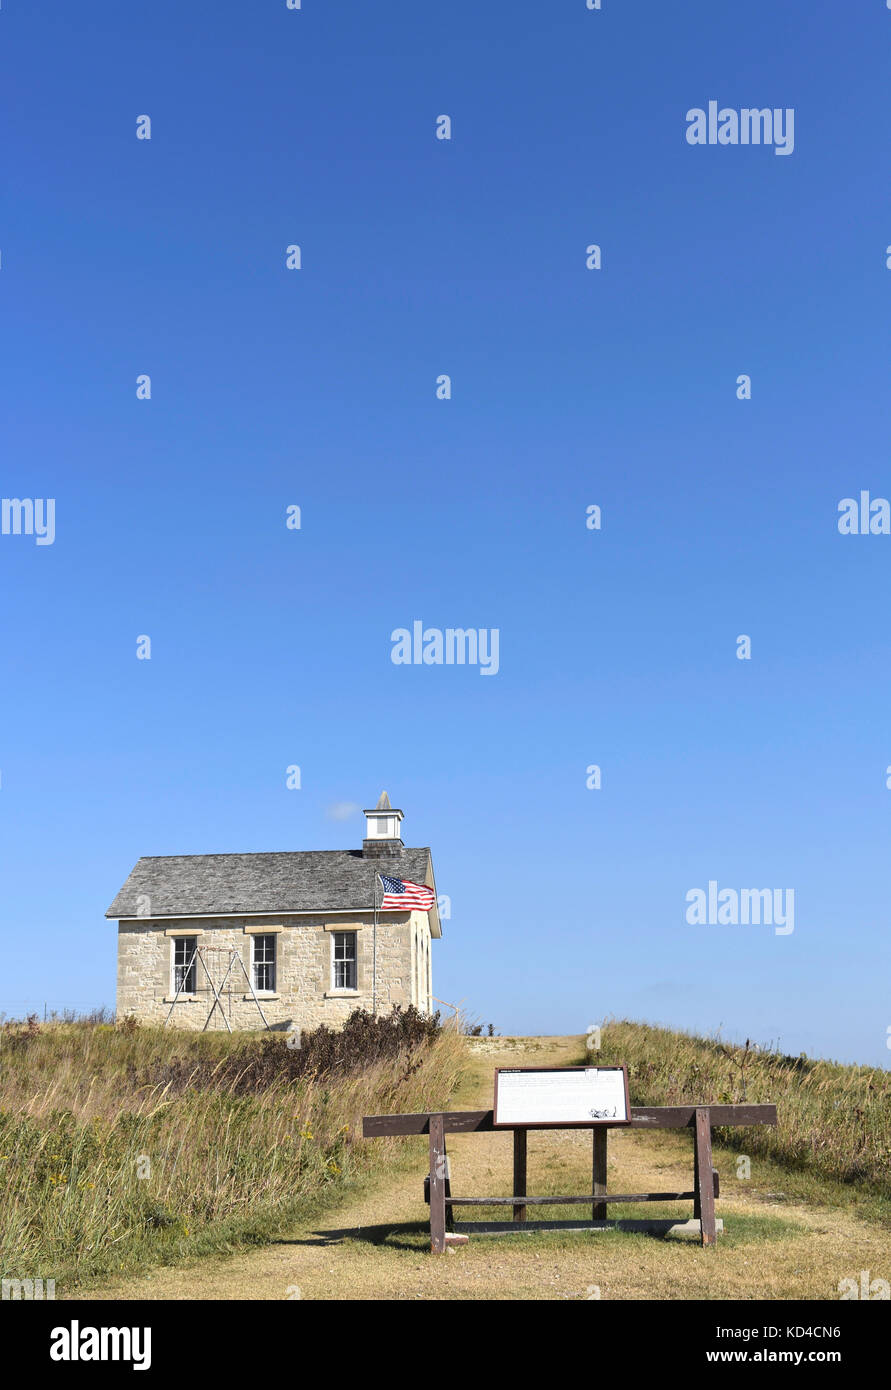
(103, 1167)
(834, 1120)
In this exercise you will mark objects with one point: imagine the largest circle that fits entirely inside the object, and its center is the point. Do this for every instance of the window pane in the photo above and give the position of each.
(264, 962)
(344, 960)
(184, 968)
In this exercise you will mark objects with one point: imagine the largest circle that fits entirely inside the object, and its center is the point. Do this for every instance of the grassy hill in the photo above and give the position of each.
(787, 1235)
(834, 1120)
(125, 1149)
(121, 1147)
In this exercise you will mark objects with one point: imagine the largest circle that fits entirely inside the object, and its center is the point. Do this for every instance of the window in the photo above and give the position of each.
(343, 972)
(184, 964)
(383, 826)
(264, 963)
(423, 991)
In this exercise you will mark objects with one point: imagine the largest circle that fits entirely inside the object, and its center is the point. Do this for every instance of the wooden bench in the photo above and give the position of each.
(698, 1118)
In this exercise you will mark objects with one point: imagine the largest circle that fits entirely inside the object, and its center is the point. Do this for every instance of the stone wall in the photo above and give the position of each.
(304, 996)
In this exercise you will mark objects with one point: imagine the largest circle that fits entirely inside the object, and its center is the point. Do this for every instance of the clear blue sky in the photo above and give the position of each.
(570, 387)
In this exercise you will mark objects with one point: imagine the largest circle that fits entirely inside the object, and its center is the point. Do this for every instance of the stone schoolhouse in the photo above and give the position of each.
(206, 938)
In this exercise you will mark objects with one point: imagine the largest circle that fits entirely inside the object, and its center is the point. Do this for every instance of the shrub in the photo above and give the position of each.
(255, 1065)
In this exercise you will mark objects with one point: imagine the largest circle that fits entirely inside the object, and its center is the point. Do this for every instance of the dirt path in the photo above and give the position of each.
(376, 1246)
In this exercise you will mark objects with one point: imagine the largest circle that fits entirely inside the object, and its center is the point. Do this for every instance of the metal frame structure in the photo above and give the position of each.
(199, 954)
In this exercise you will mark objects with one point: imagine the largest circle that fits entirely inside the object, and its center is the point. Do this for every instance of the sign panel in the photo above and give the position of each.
(561, 1096)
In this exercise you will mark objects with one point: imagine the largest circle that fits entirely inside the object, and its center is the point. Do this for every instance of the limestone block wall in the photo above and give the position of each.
(304, 995)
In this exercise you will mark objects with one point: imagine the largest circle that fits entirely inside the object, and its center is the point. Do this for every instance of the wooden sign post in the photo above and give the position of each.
(520, 1107)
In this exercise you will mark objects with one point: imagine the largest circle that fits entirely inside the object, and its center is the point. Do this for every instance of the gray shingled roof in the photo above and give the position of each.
(193, 885)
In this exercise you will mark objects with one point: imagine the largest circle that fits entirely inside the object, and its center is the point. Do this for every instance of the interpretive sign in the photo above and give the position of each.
(562, 1097)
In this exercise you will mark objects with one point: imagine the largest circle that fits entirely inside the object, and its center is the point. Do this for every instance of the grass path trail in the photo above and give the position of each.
(375, 1244)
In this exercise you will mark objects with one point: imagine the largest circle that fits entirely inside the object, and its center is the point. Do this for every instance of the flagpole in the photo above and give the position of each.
(374, 947)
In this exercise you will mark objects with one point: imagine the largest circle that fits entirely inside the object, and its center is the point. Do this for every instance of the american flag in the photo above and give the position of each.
(403, 895)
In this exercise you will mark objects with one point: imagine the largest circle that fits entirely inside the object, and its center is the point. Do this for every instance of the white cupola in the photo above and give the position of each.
(383, 834)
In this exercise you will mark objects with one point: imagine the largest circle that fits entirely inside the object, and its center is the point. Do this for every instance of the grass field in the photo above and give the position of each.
(834, 1120)
(275, 1195)
(787, 1236)
(124, 1147)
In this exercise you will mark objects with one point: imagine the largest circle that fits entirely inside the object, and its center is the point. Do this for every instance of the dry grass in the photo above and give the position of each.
(99, 1171)
(834, 1120)
(777, 1244)
(341, 1217)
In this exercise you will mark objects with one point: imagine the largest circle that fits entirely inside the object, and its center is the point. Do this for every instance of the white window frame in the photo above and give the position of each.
(265, 937)
(191, 945)
(353, 961)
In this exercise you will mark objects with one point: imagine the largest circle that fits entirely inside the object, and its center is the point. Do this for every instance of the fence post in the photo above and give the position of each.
(598, 1211)
(437, 1185)
(704, 1184)
(519, 1188)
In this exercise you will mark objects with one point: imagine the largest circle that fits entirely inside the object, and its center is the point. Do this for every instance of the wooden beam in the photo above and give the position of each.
(437, 1185)
(598, 1210)
(455, 1122)
(653, 1226)
(520, 1173)
(716, 1182)
(705, 1182)
(642, 1117)
(684, 1116)
(604, 1199)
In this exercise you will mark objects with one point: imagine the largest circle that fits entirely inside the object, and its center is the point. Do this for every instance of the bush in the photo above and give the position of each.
(255, 1065)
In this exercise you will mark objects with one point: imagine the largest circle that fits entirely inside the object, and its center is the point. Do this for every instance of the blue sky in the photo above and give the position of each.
(570, 387)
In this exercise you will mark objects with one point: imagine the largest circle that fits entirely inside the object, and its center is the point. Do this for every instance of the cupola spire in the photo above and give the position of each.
(383, 834)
